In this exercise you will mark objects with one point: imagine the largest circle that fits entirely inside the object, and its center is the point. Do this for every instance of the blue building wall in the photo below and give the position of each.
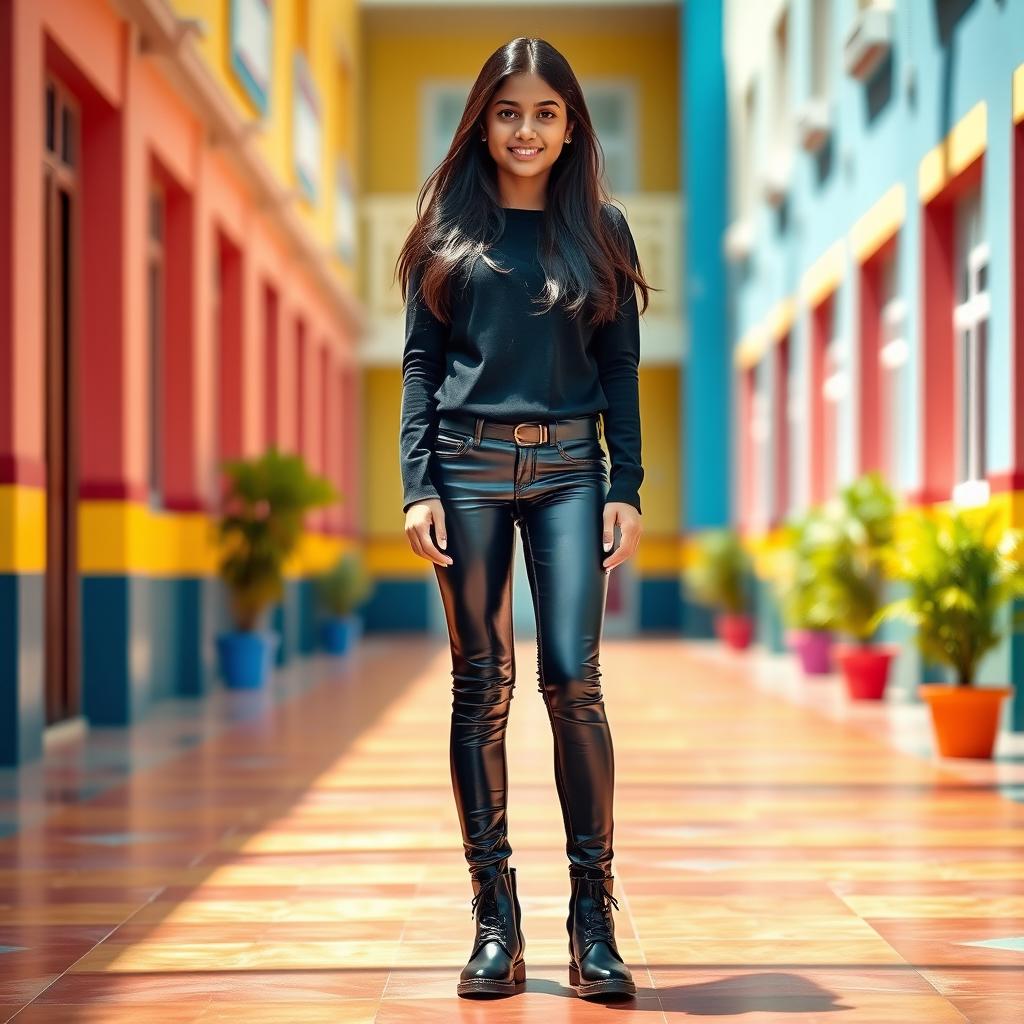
(707, 415)
(947, 57)
(940, 67)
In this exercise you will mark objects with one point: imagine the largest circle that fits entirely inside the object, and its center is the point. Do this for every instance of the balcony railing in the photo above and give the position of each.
(655, 219)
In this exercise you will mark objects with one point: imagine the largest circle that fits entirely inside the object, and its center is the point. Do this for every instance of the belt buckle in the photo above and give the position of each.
(542, 434)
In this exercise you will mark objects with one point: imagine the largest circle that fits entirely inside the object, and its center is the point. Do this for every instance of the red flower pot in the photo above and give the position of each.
(865, 667)
(734, 630)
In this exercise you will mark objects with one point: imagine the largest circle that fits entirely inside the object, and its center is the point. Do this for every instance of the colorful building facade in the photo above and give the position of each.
(182, 255)
(177, 261)
(876, 247)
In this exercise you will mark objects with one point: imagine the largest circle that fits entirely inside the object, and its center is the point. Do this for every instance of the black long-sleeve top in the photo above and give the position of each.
(500, 360)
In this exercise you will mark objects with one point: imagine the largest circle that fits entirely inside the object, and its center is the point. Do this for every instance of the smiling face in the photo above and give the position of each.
(526, 126)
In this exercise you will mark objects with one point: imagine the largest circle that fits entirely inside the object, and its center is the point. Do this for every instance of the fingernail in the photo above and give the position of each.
(443, 541)
(607, 544)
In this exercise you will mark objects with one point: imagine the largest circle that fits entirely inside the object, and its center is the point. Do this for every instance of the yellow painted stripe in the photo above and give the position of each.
(22, 529)
(823, 276)
(957, 151)
(392, 556)
(751, 347)
(658, 556)
(780, 319)
(1018, 95)
(122, 537)
(776, 325)
(879, 224)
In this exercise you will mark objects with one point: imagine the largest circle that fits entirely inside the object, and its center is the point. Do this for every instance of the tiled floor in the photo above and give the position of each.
(295, 856)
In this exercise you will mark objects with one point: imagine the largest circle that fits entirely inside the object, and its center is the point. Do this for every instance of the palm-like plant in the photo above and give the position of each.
(267, 499)
(717, 575)
(850, 554)
(961, 568)
(345, 585)
(795, 576)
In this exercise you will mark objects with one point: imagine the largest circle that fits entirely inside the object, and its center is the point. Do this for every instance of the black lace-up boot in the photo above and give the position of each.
(595, 966)
(496, 964)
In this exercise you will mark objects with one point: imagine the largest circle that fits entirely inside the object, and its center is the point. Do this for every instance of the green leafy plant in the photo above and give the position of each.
(264, 508)
(795, 577)
(345, 585)
(718, 572)
(850, 555)
(961, 568)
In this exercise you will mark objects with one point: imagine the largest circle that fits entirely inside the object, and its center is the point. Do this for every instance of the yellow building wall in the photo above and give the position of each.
(395, 67)
(382, 480)
(327, 32)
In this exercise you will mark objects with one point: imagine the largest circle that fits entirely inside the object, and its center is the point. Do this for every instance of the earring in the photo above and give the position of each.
(568, 138)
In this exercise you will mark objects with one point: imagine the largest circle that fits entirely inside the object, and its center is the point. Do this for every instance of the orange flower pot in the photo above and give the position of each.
(865, 668)
(965, 718)
(734, 630)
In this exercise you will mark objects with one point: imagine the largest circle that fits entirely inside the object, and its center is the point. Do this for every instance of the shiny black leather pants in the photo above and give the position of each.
(555, 493)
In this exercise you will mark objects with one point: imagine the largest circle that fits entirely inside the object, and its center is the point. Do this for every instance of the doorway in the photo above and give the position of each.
(60, 316)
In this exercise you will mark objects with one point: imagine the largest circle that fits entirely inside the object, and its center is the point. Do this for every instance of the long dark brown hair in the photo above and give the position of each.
(585, 258)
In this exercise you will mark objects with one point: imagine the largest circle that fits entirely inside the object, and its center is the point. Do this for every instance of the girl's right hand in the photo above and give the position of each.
(418, 520)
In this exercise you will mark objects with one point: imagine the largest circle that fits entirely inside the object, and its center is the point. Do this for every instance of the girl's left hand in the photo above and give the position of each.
(628, 518)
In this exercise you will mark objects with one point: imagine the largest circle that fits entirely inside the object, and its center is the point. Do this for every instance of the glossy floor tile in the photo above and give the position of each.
(294, 856)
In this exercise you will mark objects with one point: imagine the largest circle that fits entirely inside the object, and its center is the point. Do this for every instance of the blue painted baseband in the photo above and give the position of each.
(22, 668)
(398, 605)
(698, 621)
(660, 603)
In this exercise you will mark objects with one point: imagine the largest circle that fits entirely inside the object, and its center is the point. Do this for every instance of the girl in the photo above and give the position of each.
(521, 344)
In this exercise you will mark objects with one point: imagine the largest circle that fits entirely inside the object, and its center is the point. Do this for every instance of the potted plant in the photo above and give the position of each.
(717, 577)
(795, 581)
(341, 590)
(850, 555)
(960, 568)
(264, 508)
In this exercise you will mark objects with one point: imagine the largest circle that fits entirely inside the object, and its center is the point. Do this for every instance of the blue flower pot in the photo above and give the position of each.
(338, 633)
(246, 657)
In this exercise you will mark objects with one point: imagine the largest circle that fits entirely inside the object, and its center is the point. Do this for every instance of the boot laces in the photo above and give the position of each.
(598, 922)
(491, 921)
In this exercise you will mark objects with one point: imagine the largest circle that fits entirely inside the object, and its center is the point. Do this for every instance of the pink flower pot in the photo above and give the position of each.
(814, 648)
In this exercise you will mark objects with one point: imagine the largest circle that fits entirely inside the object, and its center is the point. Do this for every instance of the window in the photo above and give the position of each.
(1017, 290)
(821, 47)
(612, 106)
(300, 388)
(970, 321)
(443, 105)
(760, 443)
(216, 372)
(828, 388)
(893, 357)
(745, 445)
(228, 356)
(748, 150)
(782, 114)
(883, 355)
(155, 303)
(271, 367)
(784, 411)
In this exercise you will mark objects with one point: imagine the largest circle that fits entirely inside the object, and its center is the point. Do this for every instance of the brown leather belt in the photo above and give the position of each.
(527, 434)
